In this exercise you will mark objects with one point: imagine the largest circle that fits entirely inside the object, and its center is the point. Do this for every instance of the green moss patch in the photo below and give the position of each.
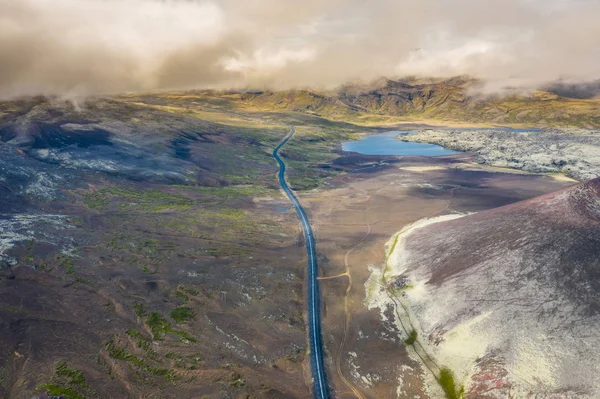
(158, 325)
(182, 314)
(448, 384)
(139, 309)
(67, 382)
(58, 391)
(68, 264)
(161, 327)
(412, 338)
(151, 200)
(116, 352)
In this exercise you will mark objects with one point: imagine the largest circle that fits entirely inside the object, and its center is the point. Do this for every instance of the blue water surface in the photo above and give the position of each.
(386, 144)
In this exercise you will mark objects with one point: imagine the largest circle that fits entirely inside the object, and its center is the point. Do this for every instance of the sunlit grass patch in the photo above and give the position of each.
(150, 200)
(182, 314)
(158, 325)
(119, 353)
(446, 380)
(67, 382)
(161, 327)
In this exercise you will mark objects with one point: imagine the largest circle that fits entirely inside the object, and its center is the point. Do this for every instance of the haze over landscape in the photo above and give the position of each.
(74, 48)
(293, 199)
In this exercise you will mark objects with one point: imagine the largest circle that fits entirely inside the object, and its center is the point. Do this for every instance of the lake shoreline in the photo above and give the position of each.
(387, 144)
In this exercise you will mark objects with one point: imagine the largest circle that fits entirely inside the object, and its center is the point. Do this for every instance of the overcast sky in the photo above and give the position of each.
(83, 47)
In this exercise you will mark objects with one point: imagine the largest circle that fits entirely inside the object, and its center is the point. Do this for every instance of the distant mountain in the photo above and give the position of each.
(456, 99)
(509, 299)
(576, 90)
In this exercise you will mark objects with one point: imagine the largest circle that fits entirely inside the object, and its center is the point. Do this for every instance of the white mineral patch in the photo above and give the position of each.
(423, 168)
(43, 186)
(367, 379)
(481, 314)
(575, 152)
(15, 229)
(396, 259)
(534, 364)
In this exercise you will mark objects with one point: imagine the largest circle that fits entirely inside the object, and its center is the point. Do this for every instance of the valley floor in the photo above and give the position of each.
(354, 217)
(146, 249)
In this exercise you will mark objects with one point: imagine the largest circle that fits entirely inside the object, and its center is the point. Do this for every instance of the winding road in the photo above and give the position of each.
(320, 387)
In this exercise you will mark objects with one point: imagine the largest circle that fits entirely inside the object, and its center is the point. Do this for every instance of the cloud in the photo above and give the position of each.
(83, 47)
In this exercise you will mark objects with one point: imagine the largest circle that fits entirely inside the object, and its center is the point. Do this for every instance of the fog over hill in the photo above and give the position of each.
(458, 98)
(73, 48)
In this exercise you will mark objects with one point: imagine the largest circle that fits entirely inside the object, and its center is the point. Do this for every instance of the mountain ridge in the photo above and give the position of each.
(458, 98)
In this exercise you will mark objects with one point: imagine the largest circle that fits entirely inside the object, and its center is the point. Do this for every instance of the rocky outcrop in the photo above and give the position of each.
(575, 152)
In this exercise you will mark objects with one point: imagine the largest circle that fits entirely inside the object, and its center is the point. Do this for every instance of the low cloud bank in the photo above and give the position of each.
(85, 47)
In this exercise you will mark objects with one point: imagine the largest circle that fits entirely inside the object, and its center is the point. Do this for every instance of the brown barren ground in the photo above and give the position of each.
(354, 218)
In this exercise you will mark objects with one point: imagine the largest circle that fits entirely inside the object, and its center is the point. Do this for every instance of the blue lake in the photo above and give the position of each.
(386, 144)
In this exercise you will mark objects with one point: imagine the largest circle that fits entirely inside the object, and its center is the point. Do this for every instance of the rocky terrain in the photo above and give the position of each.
(501, 303)
(574, 152)
(146, 251)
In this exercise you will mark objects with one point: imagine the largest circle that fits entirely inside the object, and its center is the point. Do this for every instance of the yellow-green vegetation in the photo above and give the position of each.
(161, 327)
(182, 295)
(116, 352)
(405, 287)
(226, 224)
(73, 376)
(151, 200)
(235, 191)
(135, 334)
(208, 112)
(142, 343)
(442, 375)
(236, 380)
(412, 337)
(62, 392)
(139, 309)
(186, 362)
(95, 200)
(301, 181)
(183, 292)
(68, 264)
(182, 314)
(188, 290)
(437, 100)
(147, 254)
(67, 382)
(213, 214)
(446, 380)
(311, 147)
(158, 325)
(390, 251)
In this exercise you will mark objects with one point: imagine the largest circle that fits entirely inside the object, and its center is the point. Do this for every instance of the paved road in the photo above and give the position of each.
(320, 388)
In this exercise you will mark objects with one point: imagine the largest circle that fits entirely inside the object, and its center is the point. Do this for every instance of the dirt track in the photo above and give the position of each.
(364, 359)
